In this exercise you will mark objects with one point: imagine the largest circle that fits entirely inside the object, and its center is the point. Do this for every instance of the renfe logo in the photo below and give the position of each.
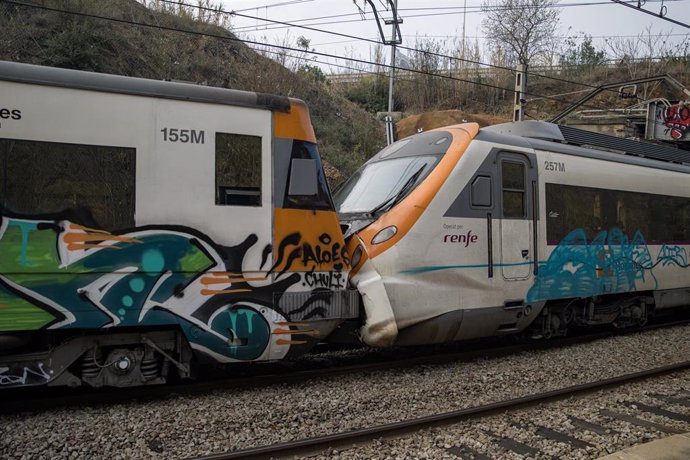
(466, 238)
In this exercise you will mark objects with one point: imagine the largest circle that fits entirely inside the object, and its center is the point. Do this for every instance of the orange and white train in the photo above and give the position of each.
(463, 232)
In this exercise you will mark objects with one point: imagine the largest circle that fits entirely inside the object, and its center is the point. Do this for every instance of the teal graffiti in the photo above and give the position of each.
(137, 284)
(610, 263)
(673, 255)
(152, 261)
(160, 278)
(25, 228)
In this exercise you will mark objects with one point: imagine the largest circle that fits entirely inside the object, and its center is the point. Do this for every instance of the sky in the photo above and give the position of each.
(441, 20)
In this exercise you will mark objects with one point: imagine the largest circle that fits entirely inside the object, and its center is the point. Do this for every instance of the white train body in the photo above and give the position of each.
(156, 225)
(479, 231)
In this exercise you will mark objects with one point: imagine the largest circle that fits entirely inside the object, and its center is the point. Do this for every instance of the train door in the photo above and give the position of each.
(516, 224)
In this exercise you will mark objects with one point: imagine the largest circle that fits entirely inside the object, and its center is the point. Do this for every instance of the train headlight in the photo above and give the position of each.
(384, 235)
(356, 256)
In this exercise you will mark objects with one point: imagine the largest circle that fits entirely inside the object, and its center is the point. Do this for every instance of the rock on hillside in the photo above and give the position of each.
(430, 120)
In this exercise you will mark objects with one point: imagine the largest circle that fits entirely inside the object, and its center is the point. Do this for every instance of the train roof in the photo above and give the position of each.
(77, 79)
(566, 139)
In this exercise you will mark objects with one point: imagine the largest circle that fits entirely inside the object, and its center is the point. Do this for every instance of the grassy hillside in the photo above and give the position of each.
(204, 54)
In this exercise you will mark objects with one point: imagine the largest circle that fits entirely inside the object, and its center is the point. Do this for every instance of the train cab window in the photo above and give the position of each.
(307, 187)
(87, 184)
(238, 170)
(513, 176)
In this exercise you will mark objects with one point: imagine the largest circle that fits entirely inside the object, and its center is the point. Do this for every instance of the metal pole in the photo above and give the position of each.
(520, 88)
(392, 72)
(464, 20)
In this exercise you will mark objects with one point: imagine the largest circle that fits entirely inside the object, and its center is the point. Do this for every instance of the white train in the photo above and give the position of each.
(459, 232)
(146, 226)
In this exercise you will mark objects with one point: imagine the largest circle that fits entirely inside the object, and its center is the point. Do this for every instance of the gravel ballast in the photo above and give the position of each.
(186, 426)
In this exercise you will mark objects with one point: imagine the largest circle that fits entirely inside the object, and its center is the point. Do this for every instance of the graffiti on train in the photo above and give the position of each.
(322, 263)
(609, 263)
(58, 273)
(24, 375)
(676, 119)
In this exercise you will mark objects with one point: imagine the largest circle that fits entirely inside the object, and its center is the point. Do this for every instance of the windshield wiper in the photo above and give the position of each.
(390, 202)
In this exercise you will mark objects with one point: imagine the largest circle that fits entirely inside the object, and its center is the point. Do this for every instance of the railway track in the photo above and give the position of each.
(31, 400)
(322, 444)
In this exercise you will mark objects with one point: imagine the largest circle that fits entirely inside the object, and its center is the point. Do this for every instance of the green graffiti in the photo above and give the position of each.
(194, 261)
(29, 251)
(17, 314)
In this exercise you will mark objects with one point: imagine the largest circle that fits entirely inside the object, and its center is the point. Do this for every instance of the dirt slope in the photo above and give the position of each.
(430, 120)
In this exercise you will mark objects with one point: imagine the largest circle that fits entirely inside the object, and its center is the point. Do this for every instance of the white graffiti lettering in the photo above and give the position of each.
(8, 379)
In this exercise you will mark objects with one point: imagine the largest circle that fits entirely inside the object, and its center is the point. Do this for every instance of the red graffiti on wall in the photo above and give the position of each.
(677, 119)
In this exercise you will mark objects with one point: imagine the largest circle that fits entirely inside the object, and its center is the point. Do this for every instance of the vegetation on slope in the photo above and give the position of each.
(206, 54)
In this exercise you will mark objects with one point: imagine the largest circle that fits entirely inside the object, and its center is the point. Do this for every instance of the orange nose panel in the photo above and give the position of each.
(308, 240)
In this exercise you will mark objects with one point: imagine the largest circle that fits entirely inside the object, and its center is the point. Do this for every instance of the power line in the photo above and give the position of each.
(458, 10)
(482, 37)
(660, 15)
(428, 53)
(273, 5)
(285, 48)
(180, 2)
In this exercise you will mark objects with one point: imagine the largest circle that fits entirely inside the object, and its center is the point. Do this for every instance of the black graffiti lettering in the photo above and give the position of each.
(313, 256)
(328, 280)
(336, 252)
(325, 238)
(308, 255)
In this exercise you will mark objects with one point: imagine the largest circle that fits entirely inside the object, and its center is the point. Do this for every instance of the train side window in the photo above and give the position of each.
(481, 192)
(238, 170)
(513, 176)
(90, 185)
(658, 218)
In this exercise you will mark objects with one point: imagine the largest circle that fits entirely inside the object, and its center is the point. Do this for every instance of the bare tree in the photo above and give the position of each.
(524, 27)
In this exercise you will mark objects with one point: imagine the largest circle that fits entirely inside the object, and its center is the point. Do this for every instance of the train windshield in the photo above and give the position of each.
(379, 185)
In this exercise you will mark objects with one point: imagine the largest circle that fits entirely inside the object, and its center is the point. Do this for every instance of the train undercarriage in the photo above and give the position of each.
(116, 359)
(618, 310)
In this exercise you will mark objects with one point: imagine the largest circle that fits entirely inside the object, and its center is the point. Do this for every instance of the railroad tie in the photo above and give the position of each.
(677, 400)
(638, 421)
(553, 435)
(656, 410)
(591, 426)
(515, 446)
(467, 453)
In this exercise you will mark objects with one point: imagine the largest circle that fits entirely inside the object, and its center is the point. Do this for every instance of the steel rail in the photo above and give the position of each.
(390, 430)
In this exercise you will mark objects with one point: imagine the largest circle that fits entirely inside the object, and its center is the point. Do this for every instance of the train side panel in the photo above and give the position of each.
(131, 206)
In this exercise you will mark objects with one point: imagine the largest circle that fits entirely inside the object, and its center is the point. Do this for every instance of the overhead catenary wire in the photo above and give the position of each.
(660, 16)
(429, 53)
(282, 47)
(460, 10)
